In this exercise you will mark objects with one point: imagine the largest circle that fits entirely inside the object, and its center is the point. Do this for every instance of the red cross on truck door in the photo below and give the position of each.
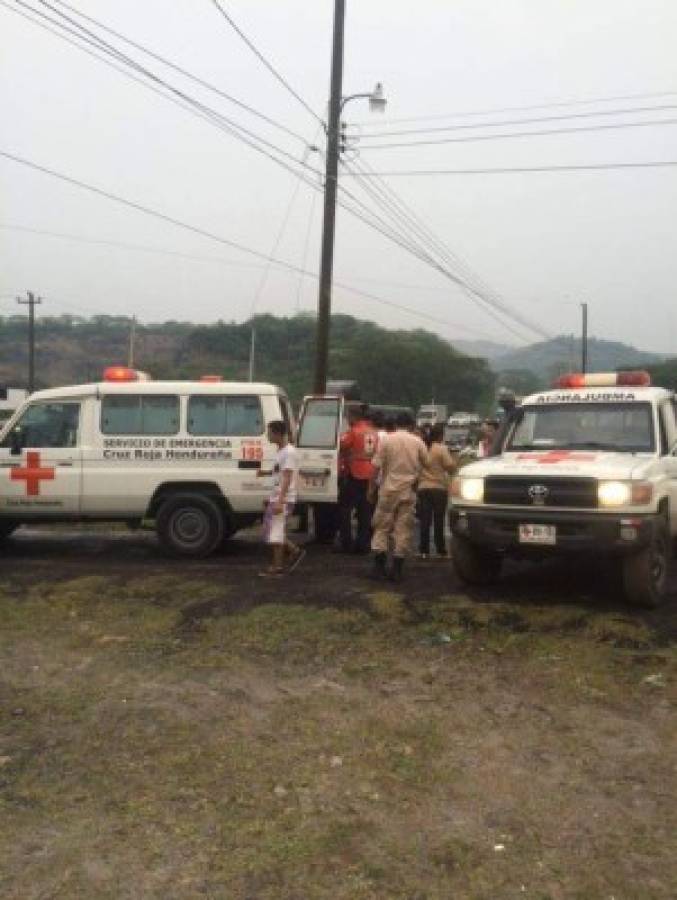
(41, 462)
(32, 473)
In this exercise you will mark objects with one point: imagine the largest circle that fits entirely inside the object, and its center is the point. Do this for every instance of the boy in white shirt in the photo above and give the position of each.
(281, 503)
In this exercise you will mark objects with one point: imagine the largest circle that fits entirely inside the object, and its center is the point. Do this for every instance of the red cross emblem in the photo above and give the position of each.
(556, 456)
(32, 473)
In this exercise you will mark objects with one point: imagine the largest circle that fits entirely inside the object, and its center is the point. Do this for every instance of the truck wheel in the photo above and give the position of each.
(473, 564)
(645, 574)
(189, 525)
(6, 528)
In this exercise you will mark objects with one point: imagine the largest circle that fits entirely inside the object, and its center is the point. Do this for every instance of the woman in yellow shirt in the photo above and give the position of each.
(433, 492)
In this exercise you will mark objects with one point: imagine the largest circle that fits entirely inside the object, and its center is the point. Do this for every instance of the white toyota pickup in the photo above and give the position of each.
(587, 468)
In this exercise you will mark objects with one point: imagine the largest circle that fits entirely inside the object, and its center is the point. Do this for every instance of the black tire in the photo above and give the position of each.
(473, 564)
(645, 574)
(189, 525)
(229, 531)
(7, 528)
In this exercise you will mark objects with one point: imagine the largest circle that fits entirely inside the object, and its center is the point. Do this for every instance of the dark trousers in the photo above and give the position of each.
(325, 518)
(432, 504)
(353, 498)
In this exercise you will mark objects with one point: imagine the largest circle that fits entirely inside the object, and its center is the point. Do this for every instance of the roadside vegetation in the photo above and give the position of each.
(178, 731)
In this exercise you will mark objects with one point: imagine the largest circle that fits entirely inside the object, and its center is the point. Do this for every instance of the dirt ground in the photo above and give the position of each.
(184, 730)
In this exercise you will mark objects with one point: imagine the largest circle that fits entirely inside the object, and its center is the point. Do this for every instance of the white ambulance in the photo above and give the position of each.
(587, 468)
(182, 453)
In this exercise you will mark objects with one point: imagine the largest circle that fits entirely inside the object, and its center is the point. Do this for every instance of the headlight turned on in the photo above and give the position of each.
(624, 493)
(471, 489)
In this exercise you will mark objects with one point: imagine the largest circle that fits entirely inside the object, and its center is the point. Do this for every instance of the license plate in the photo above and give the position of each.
(313, 481)
(538, 534)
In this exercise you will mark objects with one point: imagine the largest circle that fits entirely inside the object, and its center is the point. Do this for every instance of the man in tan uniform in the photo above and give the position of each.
(398, 463)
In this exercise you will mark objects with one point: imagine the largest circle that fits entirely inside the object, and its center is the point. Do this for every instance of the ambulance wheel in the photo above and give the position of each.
(189, 525)
(6, 528)
(645, 574)
(474, 564)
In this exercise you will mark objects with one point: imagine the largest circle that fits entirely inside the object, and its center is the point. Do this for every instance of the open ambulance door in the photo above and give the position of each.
(317, 444)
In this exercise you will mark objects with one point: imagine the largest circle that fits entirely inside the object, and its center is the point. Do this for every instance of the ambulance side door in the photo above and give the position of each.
(41, 462)
(317, 446)
(668, 413)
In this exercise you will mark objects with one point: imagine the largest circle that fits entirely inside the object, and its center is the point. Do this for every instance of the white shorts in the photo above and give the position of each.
(275, 525)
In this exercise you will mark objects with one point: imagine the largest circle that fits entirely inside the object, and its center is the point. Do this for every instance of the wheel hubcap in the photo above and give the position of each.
(189, 526)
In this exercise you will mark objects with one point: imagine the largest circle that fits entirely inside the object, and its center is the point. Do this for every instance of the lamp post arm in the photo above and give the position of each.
(345, 100)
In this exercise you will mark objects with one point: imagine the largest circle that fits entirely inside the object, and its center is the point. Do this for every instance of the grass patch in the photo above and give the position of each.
(298, 749)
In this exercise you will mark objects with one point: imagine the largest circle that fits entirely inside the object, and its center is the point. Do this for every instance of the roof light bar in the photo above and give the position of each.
(211, 379)
(604, 379)
(122, 374)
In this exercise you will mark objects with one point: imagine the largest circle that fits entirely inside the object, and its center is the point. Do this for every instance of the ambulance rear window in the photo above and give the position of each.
(139, 414)
(236, 416)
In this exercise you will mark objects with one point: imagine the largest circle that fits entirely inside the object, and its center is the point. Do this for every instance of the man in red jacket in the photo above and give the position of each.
(358, 446)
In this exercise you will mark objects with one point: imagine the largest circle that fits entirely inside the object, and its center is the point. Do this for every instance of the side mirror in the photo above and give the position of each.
(16, 442)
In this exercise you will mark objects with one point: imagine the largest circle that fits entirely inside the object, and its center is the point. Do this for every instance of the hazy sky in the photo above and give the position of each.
(543, 241)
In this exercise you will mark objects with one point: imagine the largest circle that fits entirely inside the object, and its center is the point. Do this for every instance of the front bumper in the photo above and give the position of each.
(576, 531)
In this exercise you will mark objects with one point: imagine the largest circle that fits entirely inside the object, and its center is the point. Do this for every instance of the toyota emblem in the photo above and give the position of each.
(538, 493)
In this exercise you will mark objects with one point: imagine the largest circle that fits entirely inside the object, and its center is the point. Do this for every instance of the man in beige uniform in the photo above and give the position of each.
(398, 463)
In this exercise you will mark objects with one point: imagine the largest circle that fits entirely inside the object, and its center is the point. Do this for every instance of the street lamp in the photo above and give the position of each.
(337, 103)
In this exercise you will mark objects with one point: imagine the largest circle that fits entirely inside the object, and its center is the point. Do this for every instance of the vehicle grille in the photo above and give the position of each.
(576, 493)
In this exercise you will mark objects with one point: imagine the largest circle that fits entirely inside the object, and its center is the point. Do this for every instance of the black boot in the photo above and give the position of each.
(378, 571)
(397, 573)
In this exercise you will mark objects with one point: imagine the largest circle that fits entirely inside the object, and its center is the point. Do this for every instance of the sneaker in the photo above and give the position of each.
(298, 559)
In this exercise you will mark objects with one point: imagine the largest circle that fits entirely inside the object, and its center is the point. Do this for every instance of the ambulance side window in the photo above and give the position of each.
(237, 416)
(152, 414)
(287, 416)
(48, 425)
(319, 423)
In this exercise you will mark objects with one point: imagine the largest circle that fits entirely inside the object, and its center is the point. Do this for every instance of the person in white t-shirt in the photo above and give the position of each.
(280, 504)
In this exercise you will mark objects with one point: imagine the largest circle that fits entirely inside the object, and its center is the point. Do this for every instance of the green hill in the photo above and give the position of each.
(563, 354)
(399, 367)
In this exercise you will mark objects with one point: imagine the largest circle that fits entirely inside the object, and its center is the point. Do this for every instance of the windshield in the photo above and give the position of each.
(626, 427)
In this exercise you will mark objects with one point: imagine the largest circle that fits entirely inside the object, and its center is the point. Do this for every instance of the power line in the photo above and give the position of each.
(514, 170)
(217, 120)
(187, 74)
(559, 104)
(101, 45)
(531, 121)
(123, 245)
(283, 81)
(433, 248)
(215, 260)
(276, 244)
(218, 238)
(196, 107)
(575, 129)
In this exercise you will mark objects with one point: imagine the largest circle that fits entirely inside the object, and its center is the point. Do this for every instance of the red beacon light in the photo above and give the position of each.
(122, 374)
(211, 379)
(604, 379)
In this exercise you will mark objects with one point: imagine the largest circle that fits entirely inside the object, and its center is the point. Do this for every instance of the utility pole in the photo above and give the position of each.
(584, 338)
(330, 190)
(132, 342)
(252, 352)
(31, 303)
